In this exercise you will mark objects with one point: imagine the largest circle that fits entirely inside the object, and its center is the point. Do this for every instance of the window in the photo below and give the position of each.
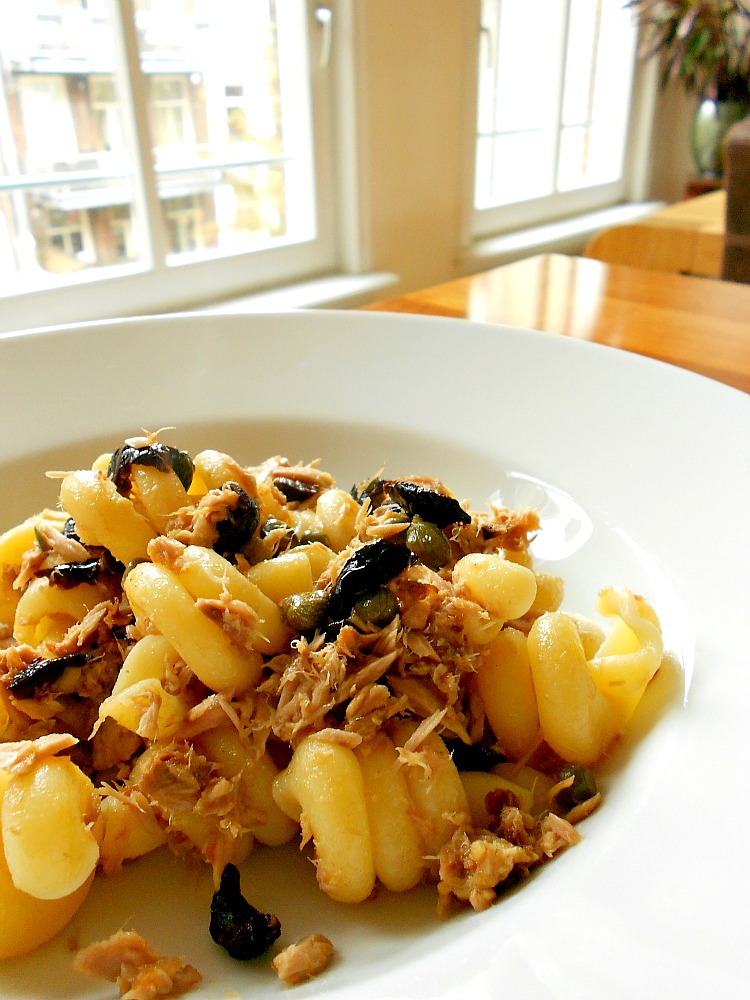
(555, 82)
(157, 152)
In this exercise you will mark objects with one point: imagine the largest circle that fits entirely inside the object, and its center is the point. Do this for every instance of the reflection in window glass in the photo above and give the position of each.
(64, 166)
(228, 120)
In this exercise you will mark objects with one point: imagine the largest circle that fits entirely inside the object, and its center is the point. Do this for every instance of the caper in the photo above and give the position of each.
(377, 608)
(304, 612)
(583, 787)
(428, 543)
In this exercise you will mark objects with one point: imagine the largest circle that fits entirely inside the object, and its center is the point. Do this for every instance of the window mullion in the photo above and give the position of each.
(560, 95)
(131, 83)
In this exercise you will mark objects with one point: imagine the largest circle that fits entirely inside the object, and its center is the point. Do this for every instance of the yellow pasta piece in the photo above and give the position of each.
(550, 591)
(398, 850)
(323, 788)
(27, 922)
(124, 832)
(13, 544)
(208, 575)
(505, 589)
(147, 709)
(46, 815)
(45, 612)
(577, 720)
(337, 512)
(15, 541)
(104, 517)
(147, 658)
(157, 596)
(256, 775)
(160, 493)
(284, 575)
(506, 687)
(632, 652)
(319, 556)
(479, 784)
(214, 468)
(536, 783)
(434, 786)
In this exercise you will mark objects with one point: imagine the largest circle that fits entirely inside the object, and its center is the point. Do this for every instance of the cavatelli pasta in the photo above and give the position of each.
(205, 654)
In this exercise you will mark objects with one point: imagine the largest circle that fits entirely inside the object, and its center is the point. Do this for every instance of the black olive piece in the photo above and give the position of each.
(236, 925)
(69, 574)
(419, 501)
(370, 567)
(159, 456)
(239, 525)
(473, 756)
(40, 673)
(332, 629)
(374, 490)
(583, 787)
(70, 530)
(295, 490)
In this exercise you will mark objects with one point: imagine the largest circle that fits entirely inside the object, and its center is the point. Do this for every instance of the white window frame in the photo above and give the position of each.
(159, 283)
(500, 219)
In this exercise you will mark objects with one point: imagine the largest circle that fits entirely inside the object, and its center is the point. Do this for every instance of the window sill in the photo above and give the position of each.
(340, 291)
(566, 236)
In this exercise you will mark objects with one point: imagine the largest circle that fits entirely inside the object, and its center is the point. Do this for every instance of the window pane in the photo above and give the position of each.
(555, 79)
(598, 80)
(228, 112)
(517, 115)
(65, 174)
(228, 119)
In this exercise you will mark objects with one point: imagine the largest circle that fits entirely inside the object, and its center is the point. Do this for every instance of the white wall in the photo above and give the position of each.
(416, 71)
(416, 74)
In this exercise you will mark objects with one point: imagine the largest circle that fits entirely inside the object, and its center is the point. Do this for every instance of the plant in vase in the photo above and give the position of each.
(706, 46)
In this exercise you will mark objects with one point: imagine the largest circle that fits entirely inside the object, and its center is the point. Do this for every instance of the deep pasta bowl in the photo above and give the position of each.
(641, 475)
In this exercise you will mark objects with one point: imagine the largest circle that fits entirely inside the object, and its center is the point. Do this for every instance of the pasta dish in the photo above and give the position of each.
(209, 656)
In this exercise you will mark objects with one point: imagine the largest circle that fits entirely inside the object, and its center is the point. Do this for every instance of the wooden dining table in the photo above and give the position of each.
(702, 324)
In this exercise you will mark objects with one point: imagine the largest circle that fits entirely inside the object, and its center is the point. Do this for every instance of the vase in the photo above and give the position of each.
(711, 122)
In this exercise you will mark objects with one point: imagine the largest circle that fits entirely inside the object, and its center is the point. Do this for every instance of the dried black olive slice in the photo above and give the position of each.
(437, 508)
(240, 524)
(295, 490)
(40, 672)
(473, 756)
(370, 567)
(159, 456)
(67, 575)
(70, 530)
(375, 490)
(236, 925)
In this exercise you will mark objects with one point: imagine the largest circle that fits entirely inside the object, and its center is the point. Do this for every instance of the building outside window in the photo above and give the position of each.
(554, 92)
(150, 137)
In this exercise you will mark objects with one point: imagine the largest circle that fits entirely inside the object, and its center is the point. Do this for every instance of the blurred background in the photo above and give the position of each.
(162, 155)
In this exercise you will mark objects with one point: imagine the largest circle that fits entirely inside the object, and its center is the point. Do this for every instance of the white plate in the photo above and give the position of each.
(642, 474)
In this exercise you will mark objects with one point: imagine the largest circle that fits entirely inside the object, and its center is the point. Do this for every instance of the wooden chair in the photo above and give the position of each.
(685, 238)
